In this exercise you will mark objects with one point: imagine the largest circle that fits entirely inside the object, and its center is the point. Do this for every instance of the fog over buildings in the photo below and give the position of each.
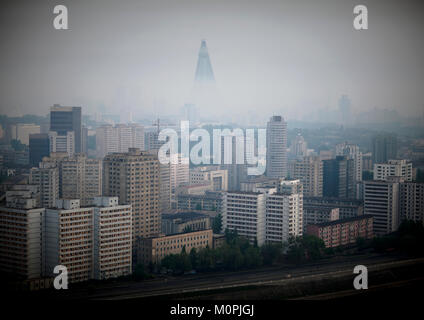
(138, 58)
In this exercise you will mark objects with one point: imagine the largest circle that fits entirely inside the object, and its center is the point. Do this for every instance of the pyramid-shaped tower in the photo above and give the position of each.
(204, 73)
(204, 96)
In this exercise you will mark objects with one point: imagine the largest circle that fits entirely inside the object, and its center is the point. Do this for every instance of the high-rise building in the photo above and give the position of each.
(179, 171)
(112, 247)
(245, 212)
(381, 199)
(352, 151)
(237, 172)
(69, 239)
(384, 148)
(299, 146)
(62, 142)
(84, 140)
(394, 168)
(412, 201)
(276, 148)
(106, 140)
(309, 171)
(92, 242)
(165, 188)
(134, 178)
(67, 119)
(339, 178)
(22, 131)
(79, 176)
(21, 233)
(39, 147)
(284, 212)
(119, 138)
(47, 178)
(271, 214)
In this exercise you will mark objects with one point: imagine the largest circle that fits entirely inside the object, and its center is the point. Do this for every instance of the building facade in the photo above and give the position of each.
(154, 249)
(343, 232)
(134, 178)
(393, 168)
(276, 149)
(309, 171)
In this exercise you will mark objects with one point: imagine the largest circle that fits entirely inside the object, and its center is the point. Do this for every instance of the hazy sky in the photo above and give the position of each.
(286, 57)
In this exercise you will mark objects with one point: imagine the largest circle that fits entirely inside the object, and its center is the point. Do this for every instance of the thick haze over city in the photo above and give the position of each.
(289, 58)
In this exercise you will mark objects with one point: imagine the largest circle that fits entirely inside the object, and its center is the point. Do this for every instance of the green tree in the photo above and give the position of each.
(194, 259)
(271, 253)
(217, 224)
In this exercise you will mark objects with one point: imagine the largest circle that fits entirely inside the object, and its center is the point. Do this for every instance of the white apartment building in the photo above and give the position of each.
(179, 171)
(62, 143)
(284, 212)
(119, 138)
(245, 212)
(394, 168)
(381, 199)
(272, 214)
(276, 148)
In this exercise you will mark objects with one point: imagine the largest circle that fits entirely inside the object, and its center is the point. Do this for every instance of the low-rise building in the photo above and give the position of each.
(182, 221)
(343, 232)
(154, 249)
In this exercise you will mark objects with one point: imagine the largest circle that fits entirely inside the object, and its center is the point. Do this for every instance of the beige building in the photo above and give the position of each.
(112, 248)
(155, 249)
(79, 176)
(92, 242)
(21, 234)
(218, 177)
(69, 239)
(309, 171)
(21, 131)
(134, 178)
(48, 181)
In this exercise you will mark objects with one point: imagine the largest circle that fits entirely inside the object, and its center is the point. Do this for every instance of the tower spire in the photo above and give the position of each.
(204, 71)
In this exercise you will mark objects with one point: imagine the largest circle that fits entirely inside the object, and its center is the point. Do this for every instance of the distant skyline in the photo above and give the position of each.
(291, 58)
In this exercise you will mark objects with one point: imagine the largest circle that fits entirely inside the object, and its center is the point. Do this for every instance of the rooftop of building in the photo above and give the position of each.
(184, 216)
(340, 221)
